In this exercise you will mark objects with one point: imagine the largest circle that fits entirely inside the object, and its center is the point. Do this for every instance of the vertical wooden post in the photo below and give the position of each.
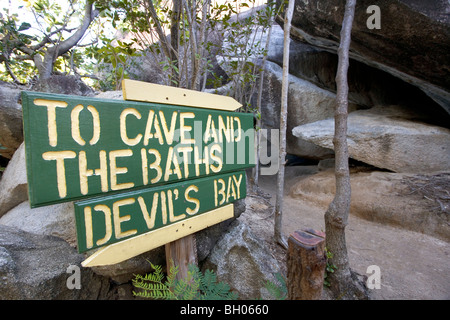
(181, 252)
(306, 262)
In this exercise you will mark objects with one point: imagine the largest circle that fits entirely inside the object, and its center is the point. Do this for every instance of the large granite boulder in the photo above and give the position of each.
(13, 185)
(240, 260)
(306, 103)
(367, 84)
(11, 127)
(312, 89)
(55, 220)
(412, 43)
(63, 84)
(408, 201)
(39, 267)
(387, 137)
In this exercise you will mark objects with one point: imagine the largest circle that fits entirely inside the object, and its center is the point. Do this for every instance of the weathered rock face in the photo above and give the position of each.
(59, 221)
(110, 95)
(36, 267)
(413, 43)
(385, 197)
(207, 238)
(312, 89)
(11, 135)
(240, 260)
(306, 103)
(367, 85)
(385, 138)
(64, 85)
(13, 185)
(56, 220)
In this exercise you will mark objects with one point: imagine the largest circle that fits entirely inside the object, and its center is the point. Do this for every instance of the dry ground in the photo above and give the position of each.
(413, 265)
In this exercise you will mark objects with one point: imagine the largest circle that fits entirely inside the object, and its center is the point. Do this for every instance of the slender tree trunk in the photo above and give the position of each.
(255, 170)
(165, 45)
(201, 47)
(174, 39)
(343, 284)
(283, 124)
(45, 66)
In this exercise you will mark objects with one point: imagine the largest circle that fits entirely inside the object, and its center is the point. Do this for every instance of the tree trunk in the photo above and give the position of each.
(342, 283)
(255, 171)
(165, 45)
(45, 66)
(201, 47)
(174, 39)
(283, 124)
(306, 263)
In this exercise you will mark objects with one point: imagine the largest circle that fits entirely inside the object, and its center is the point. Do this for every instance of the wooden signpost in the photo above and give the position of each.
(148, 171)
(105, 220)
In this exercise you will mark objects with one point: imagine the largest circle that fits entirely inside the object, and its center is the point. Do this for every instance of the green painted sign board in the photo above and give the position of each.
(109, 219)
(80, 147)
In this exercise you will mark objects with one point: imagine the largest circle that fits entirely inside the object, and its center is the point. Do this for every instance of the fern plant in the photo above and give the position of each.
(278, 289)
(208, 286)
(152, 285)
(196, 286)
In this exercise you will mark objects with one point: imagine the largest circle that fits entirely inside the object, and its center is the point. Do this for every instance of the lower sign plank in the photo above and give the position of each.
(129, 248)
(106, 220)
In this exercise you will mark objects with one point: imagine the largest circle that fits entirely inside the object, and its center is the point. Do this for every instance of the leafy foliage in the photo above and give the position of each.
(146, 26)
(330, 268)
(210, 288)
(114, 57)
(12, 32)
(196, 286)
(199, 28)
(242, 46)
(278, 289)
(45, 38)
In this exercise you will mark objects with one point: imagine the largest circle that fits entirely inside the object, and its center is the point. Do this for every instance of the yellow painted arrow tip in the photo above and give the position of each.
(150, 92)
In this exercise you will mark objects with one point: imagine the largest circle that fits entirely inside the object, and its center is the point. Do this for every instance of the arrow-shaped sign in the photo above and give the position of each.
(132, 247)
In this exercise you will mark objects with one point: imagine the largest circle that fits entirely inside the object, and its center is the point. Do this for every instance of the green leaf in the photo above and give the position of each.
(24, 26)
(196, 286)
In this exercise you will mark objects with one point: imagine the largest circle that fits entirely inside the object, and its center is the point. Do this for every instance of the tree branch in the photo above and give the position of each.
(45, 66)
(23, 57)
(89, 15)
(159, 30)
(11, 73)
(47, 38)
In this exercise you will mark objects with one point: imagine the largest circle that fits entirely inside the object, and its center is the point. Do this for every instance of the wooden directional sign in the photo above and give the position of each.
(78, 147)
(151, 170)
(131, 247)
(105, 220)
